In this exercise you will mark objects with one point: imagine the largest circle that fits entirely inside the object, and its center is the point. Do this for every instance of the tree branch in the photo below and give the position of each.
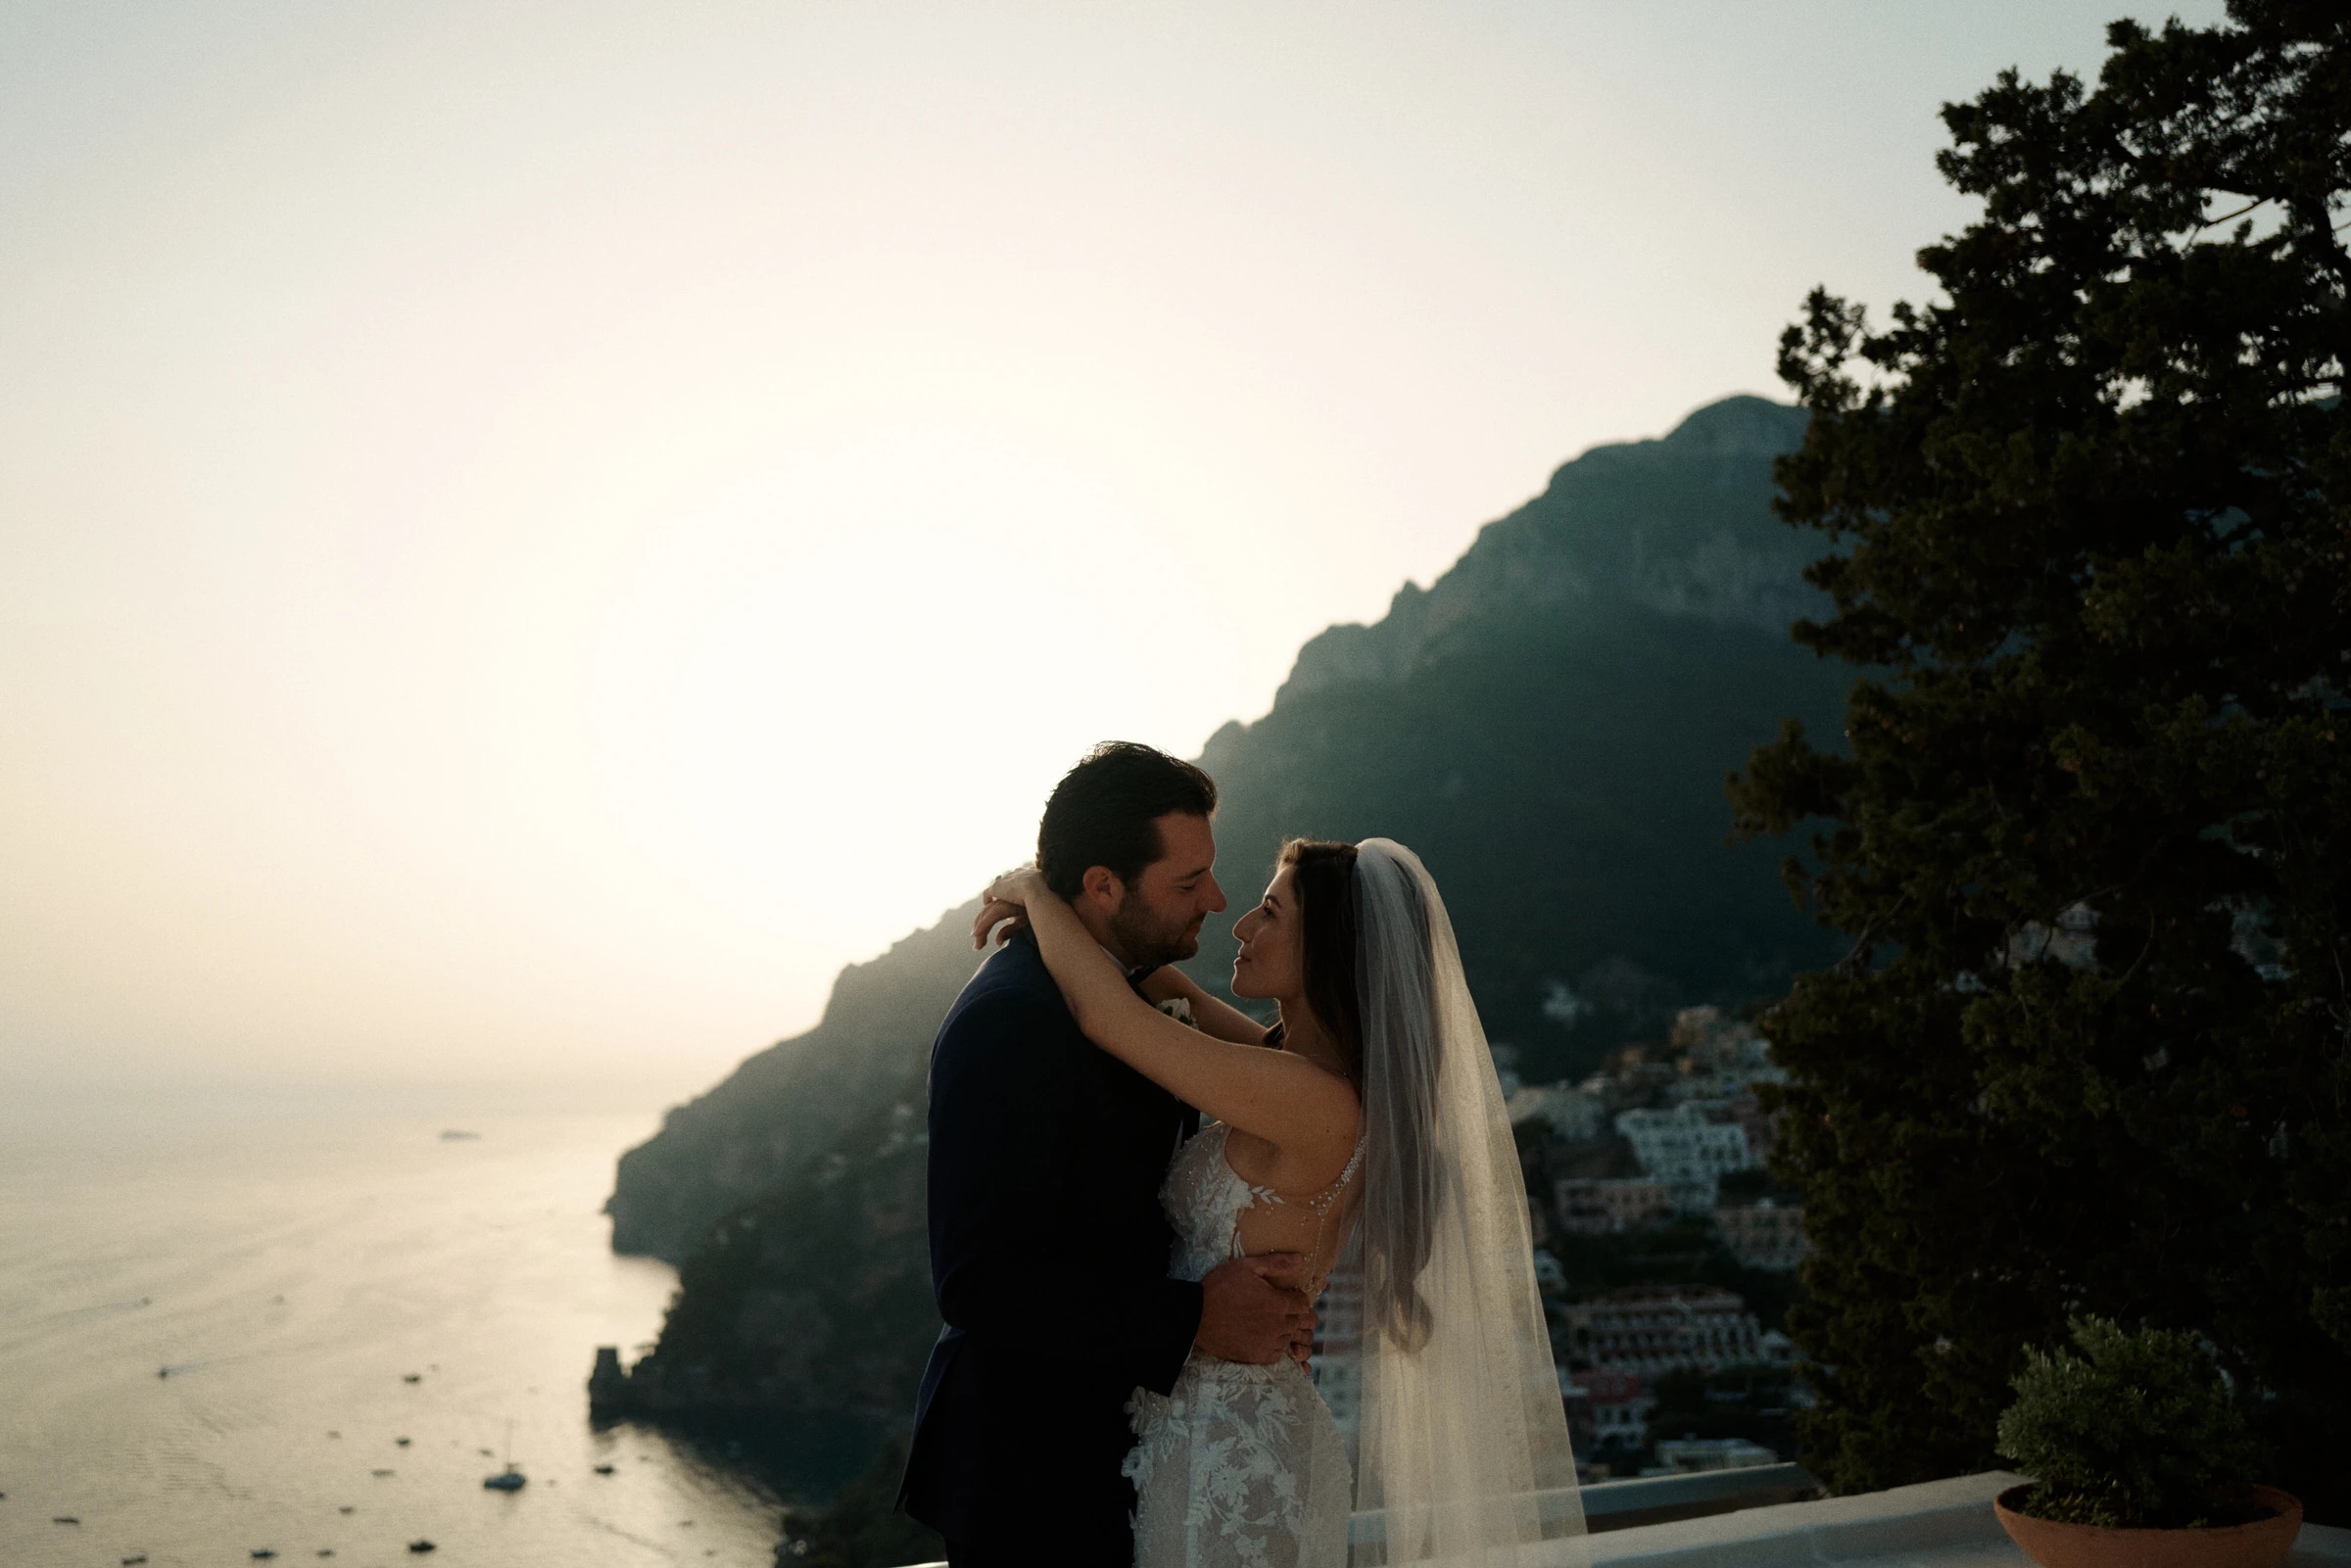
(2214, 223)
(2313, 211)
(1869, 931)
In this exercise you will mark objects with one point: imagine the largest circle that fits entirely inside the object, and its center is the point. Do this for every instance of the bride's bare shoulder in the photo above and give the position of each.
(1308, 1154)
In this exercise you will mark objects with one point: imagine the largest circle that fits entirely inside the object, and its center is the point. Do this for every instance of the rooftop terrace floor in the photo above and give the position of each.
(1936, 1524)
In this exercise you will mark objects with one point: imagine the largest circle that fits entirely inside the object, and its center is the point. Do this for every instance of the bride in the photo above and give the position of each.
(1366, 1124)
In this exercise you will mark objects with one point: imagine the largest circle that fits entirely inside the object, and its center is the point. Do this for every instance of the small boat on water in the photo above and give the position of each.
(422, 1546)
(509, 1479)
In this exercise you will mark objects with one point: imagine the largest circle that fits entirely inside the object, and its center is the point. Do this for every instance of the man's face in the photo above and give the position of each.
(1159, 919)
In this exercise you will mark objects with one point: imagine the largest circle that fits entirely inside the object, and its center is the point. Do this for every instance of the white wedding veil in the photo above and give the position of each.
(1463, 1436)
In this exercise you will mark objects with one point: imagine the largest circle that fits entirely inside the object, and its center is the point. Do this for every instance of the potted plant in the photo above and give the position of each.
(2140, 1457)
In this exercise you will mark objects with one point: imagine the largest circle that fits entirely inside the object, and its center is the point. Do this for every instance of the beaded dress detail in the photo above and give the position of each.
(1238, 1467)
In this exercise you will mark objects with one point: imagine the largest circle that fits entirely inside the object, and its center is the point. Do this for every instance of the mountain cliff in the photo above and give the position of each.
(1679, 527)
(1549, 724)
(791, 1103)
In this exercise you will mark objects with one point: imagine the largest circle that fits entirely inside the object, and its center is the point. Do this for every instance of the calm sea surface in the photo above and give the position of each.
(290, 1272)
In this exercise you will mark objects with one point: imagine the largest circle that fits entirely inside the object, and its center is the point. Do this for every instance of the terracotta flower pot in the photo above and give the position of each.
(2263, 1543)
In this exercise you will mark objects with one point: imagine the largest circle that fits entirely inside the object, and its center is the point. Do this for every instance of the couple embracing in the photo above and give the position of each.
(1137, 1192)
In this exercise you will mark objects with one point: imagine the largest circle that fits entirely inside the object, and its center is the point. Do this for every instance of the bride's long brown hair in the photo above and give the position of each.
(1325, 883)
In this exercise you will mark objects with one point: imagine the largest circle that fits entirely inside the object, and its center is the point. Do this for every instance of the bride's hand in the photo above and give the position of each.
(1007, 901)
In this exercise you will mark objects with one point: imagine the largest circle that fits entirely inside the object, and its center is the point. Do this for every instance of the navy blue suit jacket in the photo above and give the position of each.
(1049, 1257)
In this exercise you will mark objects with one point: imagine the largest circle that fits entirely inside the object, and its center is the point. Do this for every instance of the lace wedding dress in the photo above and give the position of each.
(1460, 1438)
(1239, 1466)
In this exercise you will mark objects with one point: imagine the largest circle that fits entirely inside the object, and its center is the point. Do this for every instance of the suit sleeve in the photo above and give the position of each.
(1001, 1111)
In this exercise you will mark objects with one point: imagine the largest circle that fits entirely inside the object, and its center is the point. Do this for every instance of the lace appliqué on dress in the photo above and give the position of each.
(1240, 1466)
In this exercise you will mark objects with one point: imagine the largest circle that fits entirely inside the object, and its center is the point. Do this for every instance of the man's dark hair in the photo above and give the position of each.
(1105, 812)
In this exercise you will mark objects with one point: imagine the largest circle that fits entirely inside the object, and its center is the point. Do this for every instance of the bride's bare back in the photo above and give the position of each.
(1312, 1222)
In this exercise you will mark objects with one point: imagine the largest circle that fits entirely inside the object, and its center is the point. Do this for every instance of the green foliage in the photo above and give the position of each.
(2090, 840)
(861, 1526)
(2139, 1431)
(1754, 1402)
(787, 1106)
(817, 1297)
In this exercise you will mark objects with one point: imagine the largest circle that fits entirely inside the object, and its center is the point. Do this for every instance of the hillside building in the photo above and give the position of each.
(1609, 1205)
(1713, 1041)
(1655, 1329)
(1765, 1234)
(1686, 1456)
(1606, 1409)
(1566, 1111)
(1506, 1068)
(1550, 1278)
(1337, 1364)
(1632, 1075)
(1686, 1151)
(1723, 1063)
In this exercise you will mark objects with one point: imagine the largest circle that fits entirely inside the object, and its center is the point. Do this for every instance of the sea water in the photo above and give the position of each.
(217, 1328)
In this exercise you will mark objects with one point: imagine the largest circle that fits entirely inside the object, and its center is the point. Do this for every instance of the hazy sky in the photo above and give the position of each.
(530, 534)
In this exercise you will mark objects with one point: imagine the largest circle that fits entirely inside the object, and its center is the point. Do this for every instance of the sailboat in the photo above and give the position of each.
(509, 1479)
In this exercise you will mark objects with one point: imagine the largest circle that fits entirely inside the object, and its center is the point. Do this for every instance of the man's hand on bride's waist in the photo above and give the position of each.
(1252, 1312)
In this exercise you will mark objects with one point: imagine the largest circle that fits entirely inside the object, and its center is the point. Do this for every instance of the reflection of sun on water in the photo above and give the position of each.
(359, 1320)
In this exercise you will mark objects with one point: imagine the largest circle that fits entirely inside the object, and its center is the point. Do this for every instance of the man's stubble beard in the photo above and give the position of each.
(1146, 941)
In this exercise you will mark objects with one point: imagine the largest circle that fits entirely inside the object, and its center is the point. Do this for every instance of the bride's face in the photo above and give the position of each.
(1272, 963)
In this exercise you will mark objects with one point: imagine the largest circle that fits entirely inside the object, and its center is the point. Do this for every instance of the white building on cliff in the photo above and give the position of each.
(1686, 1151)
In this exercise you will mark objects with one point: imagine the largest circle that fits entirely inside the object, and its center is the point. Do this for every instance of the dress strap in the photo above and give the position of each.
(1322, 1201)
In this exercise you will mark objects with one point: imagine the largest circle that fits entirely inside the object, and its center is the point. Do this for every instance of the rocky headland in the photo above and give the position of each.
(1549, 724)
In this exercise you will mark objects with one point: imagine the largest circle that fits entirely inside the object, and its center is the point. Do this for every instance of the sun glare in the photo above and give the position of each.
(853, 665)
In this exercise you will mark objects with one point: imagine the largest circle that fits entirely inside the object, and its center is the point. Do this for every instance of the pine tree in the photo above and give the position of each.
(2089, 834)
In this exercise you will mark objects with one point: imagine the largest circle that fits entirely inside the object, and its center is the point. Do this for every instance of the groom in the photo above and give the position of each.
(1049, 1252)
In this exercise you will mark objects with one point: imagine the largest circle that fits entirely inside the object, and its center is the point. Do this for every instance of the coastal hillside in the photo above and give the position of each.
(1549, 724)
(789, 1104)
